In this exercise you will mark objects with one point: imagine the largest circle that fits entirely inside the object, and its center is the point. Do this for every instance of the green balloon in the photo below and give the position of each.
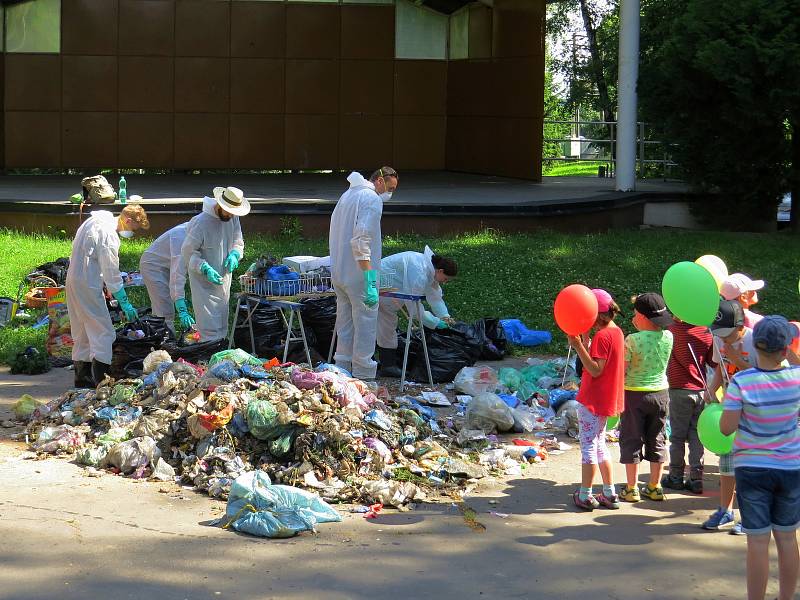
(691, 293)
(709, 433)
(611, 422)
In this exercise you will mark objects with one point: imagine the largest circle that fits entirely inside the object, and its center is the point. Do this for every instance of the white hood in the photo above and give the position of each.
(356, 180)
(209, 206)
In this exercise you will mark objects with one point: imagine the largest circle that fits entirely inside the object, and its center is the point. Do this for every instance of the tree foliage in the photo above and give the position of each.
(724, 80)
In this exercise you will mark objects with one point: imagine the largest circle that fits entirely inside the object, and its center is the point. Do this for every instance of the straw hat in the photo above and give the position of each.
(232, 200)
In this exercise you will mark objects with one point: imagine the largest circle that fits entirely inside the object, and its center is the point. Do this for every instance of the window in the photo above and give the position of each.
(419, 32)
(33, 26)
(459, 34)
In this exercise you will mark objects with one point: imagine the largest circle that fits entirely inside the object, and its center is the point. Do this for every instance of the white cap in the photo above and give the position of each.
(737, 284)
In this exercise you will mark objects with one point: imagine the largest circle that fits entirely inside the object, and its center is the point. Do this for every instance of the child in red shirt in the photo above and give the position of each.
(601, 395)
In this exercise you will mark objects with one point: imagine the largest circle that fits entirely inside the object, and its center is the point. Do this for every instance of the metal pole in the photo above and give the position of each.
(626, 95)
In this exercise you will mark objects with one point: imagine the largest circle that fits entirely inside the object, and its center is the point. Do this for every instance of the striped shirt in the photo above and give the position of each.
(768, 434)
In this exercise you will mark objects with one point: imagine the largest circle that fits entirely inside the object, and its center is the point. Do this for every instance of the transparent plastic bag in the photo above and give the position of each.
(489, 413)
(476, 380)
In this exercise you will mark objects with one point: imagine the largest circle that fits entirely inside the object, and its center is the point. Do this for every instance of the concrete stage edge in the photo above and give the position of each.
(428, 203)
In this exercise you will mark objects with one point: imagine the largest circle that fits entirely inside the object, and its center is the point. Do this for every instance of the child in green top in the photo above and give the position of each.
(643, 422)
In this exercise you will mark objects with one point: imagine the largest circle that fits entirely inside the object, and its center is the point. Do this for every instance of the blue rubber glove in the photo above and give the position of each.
(183, 314)
(130, 313)
(211, 274)
(442, 325)
(370, 288)
(232, 262)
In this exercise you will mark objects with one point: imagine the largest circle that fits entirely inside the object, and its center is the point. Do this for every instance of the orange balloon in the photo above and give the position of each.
(795, 345)
(575, 309)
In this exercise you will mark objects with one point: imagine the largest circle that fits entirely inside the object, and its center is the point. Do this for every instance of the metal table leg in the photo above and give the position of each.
(424, 342)
(405, 356)
(288, 333)
(303, 334)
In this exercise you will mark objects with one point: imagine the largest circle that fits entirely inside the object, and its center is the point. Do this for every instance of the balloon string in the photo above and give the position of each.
(564, 378)
(700, 370)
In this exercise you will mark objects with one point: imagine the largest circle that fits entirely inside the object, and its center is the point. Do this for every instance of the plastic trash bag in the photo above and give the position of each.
(257, 507)
(155, 359)
(393, 493)
(133, 454)
(448, 352)
(262, 419)
(285, 282)
(497, 342)
(489, 413)
(163, 471)
(518, 333)
(319, 316)
(155, 425)
(113, 436)
(282, 444)
(195, 353)
(24, 407)
(478, 341)
(559, 397)
(476, 380)
(91, 456)
(63, 438)
(268, 329)
(511, 378)
(567, 417)
(129, 354)
(225, 370)
(121, 394)
(237, 356)
(525, 421)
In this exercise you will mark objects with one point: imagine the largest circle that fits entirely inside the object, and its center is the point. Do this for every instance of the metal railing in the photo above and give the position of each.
(603, 149)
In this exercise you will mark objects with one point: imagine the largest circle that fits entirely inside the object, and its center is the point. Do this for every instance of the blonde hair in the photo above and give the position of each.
(136, 213)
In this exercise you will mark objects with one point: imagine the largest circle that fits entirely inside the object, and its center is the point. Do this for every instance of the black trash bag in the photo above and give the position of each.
(497, 345)
(475, 335)
(195, 353)
(128, 354)
(297, 353)
(449, 351)
(268, 330)
(319, 316)
(55, 270)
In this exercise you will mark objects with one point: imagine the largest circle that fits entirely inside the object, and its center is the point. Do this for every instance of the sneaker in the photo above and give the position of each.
(721, 518)
(737, 529)
(630, 494)
(589, 504)
(694, 485)
(672, 482)
(611, 502)
(654, 493)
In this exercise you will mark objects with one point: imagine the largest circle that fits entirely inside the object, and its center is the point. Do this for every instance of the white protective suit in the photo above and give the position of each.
(409, 273)
(209, 239)
(93, 261)
(355, 235)
(164, 272)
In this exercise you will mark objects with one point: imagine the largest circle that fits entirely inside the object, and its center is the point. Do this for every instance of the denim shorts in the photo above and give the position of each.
(769, 499)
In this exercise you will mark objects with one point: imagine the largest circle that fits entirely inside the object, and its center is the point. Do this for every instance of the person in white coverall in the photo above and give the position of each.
(211, 251)
(164, 273)
(355, 248)
(94, 260)
(420, 274)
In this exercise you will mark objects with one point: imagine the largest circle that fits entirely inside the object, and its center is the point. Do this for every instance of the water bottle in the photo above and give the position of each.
(123, 190)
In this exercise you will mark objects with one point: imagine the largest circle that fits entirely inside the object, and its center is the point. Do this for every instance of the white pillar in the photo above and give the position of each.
(626, 95)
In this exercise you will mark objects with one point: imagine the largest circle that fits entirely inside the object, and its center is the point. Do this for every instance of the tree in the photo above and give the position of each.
(555, 109)
(724, 80)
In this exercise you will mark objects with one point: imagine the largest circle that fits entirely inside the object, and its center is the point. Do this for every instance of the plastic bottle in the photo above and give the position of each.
(123, 190)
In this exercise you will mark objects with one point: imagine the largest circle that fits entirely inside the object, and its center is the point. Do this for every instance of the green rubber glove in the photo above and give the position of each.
(370, 288)
(232, 261)
(183, 314)
(442, 325)
(130, 313)
(211, 274)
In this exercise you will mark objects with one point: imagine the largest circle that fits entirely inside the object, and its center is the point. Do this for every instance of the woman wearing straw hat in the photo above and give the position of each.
(212, 250)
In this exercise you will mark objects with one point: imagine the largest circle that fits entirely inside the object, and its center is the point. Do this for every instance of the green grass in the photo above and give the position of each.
(512, 275)
(560, 168)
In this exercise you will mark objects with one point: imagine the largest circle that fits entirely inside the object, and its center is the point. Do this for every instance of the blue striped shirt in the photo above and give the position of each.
(768, 434)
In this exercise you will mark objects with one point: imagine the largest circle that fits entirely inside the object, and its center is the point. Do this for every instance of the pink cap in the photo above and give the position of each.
(737, 284)
(604, 299)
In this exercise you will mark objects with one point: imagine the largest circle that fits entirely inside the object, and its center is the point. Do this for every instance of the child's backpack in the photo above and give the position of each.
(97, 190)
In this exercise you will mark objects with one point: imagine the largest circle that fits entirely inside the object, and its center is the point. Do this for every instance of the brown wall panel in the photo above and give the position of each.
(312, 31)
(89, 83)
(202, 28)
(480, 31)
(33, 139)
(32, 82)
(259, 29)
(518, 28)
(365, 141)
(2, 111)
(419, 142)
(146, 83)
(367, 32)
(201, 141)
(367, 87)
(89, 139)
(146, 140)
(472, 87)
(420, 87)
(89, 26)
(312, 141)
(258, 85)
(148, 27)
(257, 141)
(202, 84)
(312, 87)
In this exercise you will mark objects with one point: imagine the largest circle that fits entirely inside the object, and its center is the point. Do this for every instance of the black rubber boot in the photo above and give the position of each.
(99, 371)
(388, 363)
(83, 374)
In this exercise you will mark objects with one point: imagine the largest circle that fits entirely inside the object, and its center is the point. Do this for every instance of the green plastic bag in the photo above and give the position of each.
(262, 418)
(511, 378)
(91, 455)
(534, 373)
(282, 445)
(115, 435)
(121, 394)
(24, 407)
(236, 355)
